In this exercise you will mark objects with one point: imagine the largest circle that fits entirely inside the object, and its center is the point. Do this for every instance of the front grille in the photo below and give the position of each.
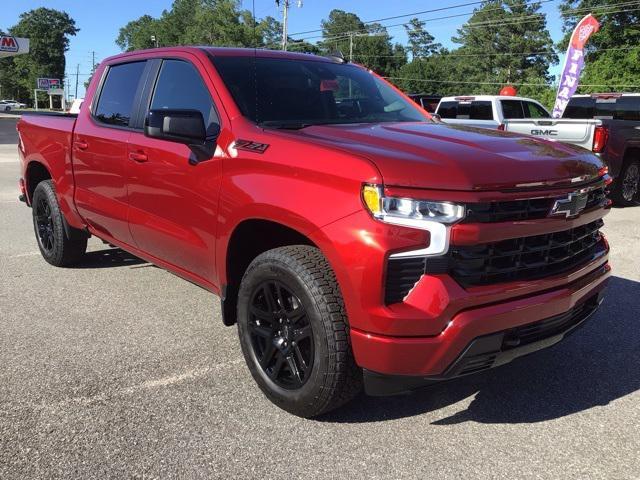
(518, 210)
(525, 258)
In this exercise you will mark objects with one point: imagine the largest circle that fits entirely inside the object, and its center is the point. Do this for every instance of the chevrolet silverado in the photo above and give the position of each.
(352, 239)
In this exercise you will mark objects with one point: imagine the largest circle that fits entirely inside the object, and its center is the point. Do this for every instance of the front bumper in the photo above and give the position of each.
(424, 334)
(437, 355)
(492, 350)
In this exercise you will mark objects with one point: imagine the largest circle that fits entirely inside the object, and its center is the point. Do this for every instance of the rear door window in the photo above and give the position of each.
(533, 110)
(180, 87)
(118, 94)
(512, 109)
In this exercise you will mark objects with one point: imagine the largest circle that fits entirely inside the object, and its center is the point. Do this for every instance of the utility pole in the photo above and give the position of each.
(350, 49)
(285, 20)
(93, 60)
(77, 76)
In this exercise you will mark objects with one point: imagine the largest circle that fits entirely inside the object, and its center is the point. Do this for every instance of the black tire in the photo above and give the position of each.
(56, 247)
(301, 277)
(626, 189)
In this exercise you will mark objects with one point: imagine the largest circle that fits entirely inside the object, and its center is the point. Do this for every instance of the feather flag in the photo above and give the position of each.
(574, 63)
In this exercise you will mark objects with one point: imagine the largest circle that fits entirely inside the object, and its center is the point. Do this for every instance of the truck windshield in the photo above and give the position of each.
(285, 93)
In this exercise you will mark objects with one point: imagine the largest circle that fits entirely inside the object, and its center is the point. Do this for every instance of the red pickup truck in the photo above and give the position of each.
(353, 239)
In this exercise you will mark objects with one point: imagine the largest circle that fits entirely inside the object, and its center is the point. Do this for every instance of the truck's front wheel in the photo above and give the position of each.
(293, 331)
(57, 246)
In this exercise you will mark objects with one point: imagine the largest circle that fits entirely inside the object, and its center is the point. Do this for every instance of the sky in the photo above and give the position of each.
(100, 21)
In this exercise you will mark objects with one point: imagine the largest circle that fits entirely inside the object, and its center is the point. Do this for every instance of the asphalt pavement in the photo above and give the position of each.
(118, 369)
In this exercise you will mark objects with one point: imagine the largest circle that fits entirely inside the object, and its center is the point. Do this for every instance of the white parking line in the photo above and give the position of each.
(19, 255)
(147, 385)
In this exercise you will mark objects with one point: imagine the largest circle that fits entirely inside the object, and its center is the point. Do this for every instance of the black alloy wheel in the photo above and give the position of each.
(631, 182)
(293, 330)
(60, 245)
(44, 225)
(281, 335)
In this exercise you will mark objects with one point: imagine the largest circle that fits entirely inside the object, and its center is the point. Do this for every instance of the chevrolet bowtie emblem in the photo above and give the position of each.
(570, 206)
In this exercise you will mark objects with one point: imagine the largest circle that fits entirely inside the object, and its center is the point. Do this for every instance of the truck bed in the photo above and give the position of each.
(576, 131)
(46, 138)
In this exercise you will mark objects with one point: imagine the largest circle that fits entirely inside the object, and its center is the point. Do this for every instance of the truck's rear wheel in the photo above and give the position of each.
(56, 247)
(626, 191)
(293, 331)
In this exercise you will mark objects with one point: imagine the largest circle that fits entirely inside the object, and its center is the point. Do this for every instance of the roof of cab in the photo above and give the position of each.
(226, 52)
(485, 98)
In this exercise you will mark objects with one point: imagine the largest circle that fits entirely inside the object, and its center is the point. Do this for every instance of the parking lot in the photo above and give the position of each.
(118, 369)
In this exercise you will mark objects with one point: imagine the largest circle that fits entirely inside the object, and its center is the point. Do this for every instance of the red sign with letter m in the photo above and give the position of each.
(8, 44)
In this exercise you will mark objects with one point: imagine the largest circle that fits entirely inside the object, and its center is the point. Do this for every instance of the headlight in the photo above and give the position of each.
(433, 216)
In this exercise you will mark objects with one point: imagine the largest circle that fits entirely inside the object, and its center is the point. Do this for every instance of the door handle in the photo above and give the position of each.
(138, 157)
(81, 145)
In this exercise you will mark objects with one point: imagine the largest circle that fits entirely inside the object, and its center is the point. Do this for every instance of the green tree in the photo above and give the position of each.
(421, 42)
(506, 41)
(49, 31)
(301, 47)
(137, 34)
(201, 22)
(271, 33)
(613, 53)
(369, 44)
(425, 75)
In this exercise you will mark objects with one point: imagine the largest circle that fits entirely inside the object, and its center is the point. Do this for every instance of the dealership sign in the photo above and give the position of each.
(10, 45)
(48, 83)
(574, 63)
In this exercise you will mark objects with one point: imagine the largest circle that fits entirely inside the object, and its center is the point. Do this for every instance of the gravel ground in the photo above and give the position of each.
(118, 369)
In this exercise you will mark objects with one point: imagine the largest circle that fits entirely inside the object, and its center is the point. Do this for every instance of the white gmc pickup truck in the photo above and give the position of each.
(607, 124)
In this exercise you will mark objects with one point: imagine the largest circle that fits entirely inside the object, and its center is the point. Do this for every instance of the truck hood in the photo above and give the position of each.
(426, 155)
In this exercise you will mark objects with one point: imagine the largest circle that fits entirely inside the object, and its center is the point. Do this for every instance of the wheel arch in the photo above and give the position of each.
(632, 152)
(36, 172)
(250, 238)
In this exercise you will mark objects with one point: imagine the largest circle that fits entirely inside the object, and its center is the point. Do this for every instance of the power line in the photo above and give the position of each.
(502, 83)
(603, 9)
(515, 54)
(451, 7)
(446, 17)
(524, 18)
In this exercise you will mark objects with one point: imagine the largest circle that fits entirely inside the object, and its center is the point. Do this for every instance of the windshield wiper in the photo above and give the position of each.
(285, 125)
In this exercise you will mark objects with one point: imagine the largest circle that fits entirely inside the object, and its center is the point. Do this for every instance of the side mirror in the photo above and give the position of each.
(436, 118)
(182, 126)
